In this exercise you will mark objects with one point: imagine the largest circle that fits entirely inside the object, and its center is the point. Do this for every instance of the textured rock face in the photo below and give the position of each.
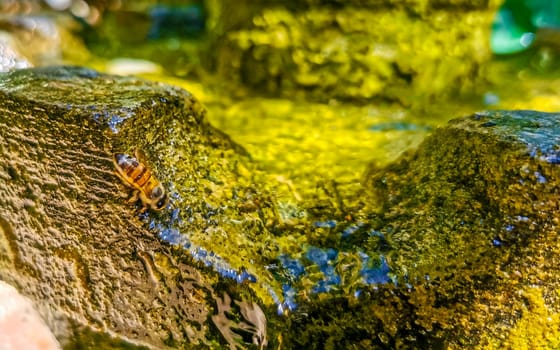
(494, 174)
(473, 221)
(468, 224)
(68, 238)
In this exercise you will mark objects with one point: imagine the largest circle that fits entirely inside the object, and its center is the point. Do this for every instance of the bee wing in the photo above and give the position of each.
(140, 156)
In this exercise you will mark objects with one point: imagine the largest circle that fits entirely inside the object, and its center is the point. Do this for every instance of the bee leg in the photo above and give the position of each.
(134, 197)
(143, 209)
(144, 200)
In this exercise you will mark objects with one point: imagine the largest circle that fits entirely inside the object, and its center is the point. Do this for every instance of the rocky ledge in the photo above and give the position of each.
(71, 242)
(455, 245)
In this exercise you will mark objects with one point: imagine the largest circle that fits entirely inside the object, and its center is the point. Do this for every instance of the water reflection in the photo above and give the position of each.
(328, 269)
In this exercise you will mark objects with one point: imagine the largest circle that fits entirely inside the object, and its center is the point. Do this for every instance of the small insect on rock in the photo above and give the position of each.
(134, 173)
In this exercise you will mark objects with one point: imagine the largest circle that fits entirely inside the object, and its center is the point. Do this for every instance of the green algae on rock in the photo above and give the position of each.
(359, 51)
(69, 240)
(466, 227)
(468, 224)
(473, 221)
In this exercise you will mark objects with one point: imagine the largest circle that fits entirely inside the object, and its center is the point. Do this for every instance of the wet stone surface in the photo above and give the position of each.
(472, 221)
(452, 246)
(455, 246)
(68, 238)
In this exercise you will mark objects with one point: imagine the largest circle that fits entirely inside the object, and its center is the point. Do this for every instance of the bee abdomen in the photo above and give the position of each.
(123, 161)
(134, 171)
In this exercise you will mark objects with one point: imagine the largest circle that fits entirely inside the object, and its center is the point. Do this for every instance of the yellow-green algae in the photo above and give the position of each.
(473, 271)
(540, 98)
(355, 53)
(538, 328)
(270, 140)
(526, 321)
(474, 224)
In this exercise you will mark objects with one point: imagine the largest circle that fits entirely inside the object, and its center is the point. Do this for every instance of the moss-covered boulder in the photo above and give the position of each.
(467, 227)
(472, 219)
(453, 246)
(408, 51)
(71, 242)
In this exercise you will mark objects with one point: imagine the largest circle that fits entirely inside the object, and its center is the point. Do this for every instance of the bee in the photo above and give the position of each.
(134, 173)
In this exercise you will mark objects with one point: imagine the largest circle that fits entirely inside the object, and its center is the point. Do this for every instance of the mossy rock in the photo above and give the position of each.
(70, 241)
(340, 52)
(473, 221)
(468, 224)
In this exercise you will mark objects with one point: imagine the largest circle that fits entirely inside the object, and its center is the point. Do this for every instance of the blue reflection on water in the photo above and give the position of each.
(541, 146)
(321, 257)
(350, 230)
(113, 120)
(293, 269)
(377, 274)
(172, 235)
(325, 224)
(372, 272)
(540, 177)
